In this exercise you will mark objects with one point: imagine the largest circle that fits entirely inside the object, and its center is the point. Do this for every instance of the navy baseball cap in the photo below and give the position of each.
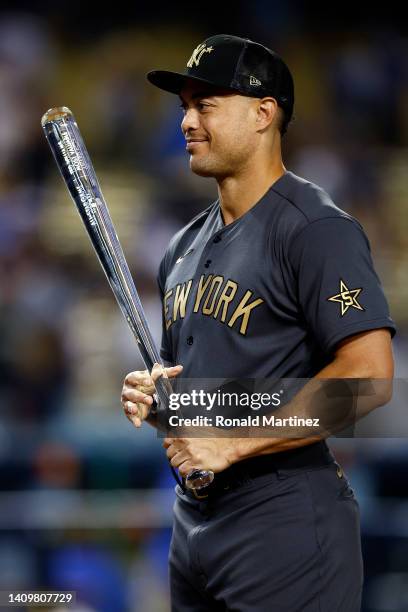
(234, 63)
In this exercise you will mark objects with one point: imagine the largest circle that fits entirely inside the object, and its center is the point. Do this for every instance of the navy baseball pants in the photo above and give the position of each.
(287, 541)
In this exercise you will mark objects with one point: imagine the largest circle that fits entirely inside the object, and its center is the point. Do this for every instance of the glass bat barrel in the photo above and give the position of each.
(71, 155)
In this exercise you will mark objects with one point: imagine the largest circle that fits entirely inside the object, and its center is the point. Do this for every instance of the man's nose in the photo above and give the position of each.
(190, 120)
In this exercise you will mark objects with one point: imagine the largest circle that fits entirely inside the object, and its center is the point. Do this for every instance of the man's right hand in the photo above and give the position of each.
(138, 389)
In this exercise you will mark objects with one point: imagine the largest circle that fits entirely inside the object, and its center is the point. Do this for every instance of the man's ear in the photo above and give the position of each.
(267, 111)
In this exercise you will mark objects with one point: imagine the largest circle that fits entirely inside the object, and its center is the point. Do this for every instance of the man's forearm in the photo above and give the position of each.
(335, 398)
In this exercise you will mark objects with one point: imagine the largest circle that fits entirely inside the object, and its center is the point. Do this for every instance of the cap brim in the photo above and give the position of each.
(172, 81)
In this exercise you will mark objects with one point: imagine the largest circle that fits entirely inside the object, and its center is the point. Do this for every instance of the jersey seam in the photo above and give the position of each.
(316, 534)
(337, 217)
(344, 214)
(303, 229)
(310, 222)
(290, 201)
(235, 82)
(269, 259)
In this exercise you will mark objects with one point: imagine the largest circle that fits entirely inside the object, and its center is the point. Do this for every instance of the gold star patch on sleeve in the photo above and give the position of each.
(347, 298)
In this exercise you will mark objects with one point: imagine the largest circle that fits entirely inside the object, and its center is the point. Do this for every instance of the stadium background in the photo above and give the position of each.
(85, 500)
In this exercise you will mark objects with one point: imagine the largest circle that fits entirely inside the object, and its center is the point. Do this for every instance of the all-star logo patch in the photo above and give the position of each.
(347, 298)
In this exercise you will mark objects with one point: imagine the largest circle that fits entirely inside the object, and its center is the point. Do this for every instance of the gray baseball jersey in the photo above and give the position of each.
(271, 294)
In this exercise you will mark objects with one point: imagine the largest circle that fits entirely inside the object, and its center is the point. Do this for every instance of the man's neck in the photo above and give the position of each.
(237, 194)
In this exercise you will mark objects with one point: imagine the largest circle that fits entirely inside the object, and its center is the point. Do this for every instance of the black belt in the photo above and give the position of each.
(303, 457)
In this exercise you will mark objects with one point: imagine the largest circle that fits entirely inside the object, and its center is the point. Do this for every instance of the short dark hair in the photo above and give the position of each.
(284, 119)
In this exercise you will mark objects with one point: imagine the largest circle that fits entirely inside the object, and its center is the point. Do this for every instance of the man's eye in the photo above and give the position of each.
(199, 105)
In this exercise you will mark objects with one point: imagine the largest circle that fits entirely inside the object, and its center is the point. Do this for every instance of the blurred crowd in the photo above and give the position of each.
(64, 346)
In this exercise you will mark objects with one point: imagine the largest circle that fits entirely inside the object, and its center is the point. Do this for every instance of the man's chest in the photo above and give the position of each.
(226, 277)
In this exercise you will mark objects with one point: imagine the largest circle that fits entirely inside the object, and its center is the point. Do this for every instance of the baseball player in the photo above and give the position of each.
(272, 280)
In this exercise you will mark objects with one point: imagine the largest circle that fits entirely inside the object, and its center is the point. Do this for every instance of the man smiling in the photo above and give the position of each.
(278, 283)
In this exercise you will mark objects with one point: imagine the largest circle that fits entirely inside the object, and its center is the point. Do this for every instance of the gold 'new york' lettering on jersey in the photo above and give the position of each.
(212, 297)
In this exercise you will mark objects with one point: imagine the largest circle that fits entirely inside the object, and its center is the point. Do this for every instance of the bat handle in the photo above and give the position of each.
(196, 479)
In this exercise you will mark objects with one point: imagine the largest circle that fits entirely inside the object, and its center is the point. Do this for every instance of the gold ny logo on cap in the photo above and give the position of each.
(197, 54)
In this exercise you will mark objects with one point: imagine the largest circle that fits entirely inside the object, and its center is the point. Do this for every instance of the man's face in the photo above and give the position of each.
(220, 129)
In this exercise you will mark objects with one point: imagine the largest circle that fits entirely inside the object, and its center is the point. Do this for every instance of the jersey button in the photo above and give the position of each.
(190, 340)
(217, 239)
(207, 263)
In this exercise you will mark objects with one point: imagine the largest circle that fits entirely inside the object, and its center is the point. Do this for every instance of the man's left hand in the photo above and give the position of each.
(188, 454)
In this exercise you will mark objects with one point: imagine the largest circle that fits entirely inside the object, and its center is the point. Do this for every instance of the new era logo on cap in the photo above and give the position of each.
(254, 81)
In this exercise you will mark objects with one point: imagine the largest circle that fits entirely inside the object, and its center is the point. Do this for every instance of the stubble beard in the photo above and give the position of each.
(217, 166)
(203, 166)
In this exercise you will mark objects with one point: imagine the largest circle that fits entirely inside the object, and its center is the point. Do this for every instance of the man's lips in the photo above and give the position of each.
(192, 142)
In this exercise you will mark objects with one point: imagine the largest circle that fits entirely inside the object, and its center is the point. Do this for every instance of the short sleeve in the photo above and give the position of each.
(165, 347)
(339, 291)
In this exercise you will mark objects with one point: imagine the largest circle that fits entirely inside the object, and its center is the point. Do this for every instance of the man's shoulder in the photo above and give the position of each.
(306, 201)
(184, 237)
